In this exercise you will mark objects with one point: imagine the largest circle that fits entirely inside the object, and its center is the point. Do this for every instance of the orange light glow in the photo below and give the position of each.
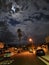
(38, 47)
(1, 45)
(30, 40)
(34, 51)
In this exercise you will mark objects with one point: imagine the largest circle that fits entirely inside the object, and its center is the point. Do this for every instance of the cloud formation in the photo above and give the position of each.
(32, 18)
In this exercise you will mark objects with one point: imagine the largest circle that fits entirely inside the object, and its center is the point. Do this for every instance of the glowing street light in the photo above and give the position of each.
(30, 40)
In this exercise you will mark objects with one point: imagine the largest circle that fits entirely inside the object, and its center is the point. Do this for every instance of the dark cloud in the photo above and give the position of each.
(38, 16)
(14, 22)
(47, 1)
(32, 18)
(36, 5)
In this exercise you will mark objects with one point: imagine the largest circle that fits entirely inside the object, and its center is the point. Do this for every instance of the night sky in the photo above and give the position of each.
(31, 16)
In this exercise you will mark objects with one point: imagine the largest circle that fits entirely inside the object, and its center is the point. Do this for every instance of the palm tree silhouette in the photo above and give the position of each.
(19, 34)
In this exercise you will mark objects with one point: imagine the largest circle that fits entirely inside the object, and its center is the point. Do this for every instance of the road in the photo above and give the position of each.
(24, 58)
(27, 58)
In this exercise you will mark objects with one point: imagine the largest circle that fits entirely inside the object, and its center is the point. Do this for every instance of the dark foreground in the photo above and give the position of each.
(23, 59)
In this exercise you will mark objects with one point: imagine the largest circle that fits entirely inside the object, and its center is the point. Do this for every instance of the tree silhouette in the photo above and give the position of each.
(19, 34)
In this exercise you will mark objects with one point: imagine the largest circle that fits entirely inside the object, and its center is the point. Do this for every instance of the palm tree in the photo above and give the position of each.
(19, 34)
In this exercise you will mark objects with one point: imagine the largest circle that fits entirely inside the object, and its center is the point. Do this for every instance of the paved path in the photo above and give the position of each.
(45, 59)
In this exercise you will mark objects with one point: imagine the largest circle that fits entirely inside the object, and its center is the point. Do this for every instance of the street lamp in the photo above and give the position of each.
(30, 40)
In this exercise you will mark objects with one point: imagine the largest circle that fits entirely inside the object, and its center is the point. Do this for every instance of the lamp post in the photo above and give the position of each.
(30, 40)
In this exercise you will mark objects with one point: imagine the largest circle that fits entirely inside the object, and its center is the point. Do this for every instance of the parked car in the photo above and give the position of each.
(18, 51)
(40, 52)
(30, 50)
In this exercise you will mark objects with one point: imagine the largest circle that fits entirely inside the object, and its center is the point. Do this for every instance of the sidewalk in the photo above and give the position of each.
(45, 59)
